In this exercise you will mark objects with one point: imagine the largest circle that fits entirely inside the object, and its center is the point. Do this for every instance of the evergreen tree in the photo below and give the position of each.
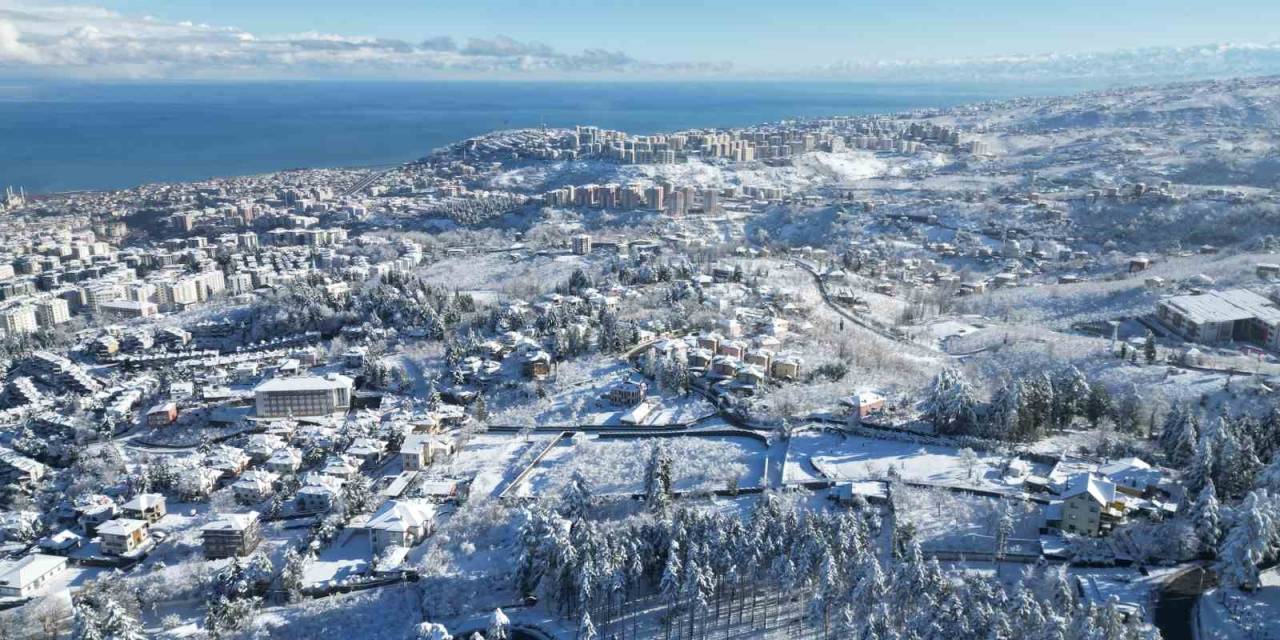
(1070, 396)
(1250, 541)
(587, 630)
(1002, 418)
(117, 623)
(1206, 519)
(1037, 407)
(658, 478)
(950, 404)
(1098, 405)
(433, 631)
(499, 626)
(1180, 435)
(86, 625)
(1149, 348)
(292, 575)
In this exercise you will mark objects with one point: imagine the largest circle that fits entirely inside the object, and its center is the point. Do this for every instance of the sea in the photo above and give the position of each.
(57, 136)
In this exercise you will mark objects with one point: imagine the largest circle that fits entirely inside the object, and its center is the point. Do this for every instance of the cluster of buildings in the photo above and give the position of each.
(775, 142)
(1091, 498)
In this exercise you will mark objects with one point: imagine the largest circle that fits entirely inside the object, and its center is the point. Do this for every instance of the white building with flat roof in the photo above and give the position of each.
(19, 320)
(303, 396)
(26, 576)
(52, 311)
(1235, 315)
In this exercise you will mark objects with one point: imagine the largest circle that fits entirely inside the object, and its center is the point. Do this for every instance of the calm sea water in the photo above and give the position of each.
(57, 137)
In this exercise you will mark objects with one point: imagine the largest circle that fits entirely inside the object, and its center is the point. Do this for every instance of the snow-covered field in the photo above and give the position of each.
(616, 466)
(949, 522)
(859, 458)
(491, 459)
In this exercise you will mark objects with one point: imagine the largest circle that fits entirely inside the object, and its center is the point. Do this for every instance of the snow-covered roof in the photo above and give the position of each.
(1225, 306)
(144, 501)
(304, 383)
(401, 515)
(28, 569)
(232, 522)
(1100, 489)
(121, 526)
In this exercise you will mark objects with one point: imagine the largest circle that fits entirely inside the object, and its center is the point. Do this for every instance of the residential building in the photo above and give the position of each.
(162, 414)
(254, 486)
(1089, 505)
(419, 449)
(145, 506)
(123, 536)
(627, 393)
(400, 523)
(25, 577)
(51, 312)
(231, 535)
(19, 320)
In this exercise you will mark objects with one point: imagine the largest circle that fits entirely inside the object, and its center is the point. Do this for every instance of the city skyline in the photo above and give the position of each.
(396, 39)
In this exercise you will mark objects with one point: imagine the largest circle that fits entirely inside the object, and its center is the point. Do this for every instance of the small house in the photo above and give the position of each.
(162, 414)
(400, 523)
(145, 506)
(123, 536)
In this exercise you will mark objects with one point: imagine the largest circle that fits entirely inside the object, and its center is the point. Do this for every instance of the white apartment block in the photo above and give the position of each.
(52, 312)
(95, 296)
(19, 320)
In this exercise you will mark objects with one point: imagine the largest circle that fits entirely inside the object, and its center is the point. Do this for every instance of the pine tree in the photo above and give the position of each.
(1250, 541)
(86, 625)
(1149, 348)
(292, 575)
(587, 630)
(1269, 478)
(1002, 419)
(1202, 466)
(1206, 519)
(577, 500)
(1071, 395)
(1037, 408)
(1236, 465)
(951, 404)
(499, 626)
(433, 631)
(1180, 437)
(658, 477)
(1098, 405)
(117, 623)
(1002, 528)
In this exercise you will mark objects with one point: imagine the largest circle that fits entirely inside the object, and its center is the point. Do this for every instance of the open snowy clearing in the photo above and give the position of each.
(860, 458)
(616, 466)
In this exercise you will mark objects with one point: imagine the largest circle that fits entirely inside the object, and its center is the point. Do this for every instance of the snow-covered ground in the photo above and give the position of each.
(851, 457)
(616, 466)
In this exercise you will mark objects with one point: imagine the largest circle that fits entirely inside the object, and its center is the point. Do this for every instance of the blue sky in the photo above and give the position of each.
(613, 39)
(756, 33)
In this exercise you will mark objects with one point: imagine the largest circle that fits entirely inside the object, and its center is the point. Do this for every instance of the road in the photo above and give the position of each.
(861, 322)
(368, 181)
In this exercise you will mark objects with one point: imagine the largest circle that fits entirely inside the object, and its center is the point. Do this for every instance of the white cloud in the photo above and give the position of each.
(88, 41)
(1213, 60)
(95, 42)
